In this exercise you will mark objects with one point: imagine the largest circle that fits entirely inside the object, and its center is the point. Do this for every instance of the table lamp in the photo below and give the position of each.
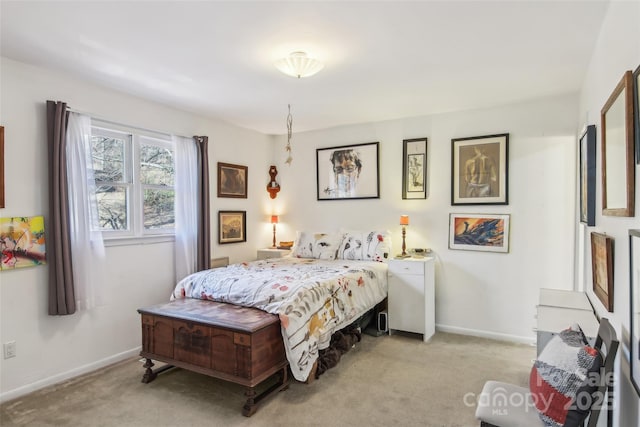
(404, 221)
(274, 221)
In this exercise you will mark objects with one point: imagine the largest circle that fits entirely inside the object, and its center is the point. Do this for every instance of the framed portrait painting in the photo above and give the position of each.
(232, 180)
(634, 309)
(232, 226)
(479, 232)
(588, 176)
(479, 170)
(414, 168)
(602, 268)
(348, 172)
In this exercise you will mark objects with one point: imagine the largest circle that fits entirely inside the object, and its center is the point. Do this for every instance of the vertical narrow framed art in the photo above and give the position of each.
(414, 168)
(588, 176)
(602, 268)
(1, 166)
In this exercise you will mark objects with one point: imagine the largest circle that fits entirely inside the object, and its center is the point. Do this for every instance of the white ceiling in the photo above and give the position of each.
(383, 59)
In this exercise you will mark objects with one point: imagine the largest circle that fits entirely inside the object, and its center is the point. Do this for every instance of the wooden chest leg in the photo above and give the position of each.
(253, 401)
(149, 375)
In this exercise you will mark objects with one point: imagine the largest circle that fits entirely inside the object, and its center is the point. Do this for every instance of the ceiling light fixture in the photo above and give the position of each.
(298, 64)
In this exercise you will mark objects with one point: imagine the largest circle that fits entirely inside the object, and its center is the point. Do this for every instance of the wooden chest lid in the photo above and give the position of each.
(235, 317)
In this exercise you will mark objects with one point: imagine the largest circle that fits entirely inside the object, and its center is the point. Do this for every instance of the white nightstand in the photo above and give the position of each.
(411, 302)
(272, 253)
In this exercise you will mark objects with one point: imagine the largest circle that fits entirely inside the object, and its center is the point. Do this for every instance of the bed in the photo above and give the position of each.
(330, 281)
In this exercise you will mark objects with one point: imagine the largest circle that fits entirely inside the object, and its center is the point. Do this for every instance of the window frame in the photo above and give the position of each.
(134, 195)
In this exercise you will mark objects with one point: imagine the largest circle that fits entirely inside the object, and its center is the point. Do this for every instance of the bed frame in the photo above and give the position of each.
(238, 344)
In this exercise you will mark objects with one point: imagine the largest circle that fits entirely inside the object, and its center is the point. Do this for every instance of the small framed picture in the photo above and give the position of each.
(602, 268)
(636, 104)
(588, 176)
(232, 180)
(232, 226)
(414, 168)
(348, 172)
(479, 232)
(479, 170)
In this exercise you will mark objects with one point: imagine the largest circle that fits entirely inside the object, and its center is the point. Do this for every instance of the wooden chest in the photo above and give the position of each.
(233, 343)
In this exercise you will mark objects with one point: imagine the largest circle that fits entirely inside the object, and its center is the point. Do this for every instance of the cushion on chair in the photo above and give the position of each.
(506, 405)
(562, 379)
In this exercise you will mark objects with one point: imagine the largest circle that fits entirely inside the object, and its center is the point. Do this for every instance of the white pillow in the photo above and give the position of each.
(365, 246)
(316, 245)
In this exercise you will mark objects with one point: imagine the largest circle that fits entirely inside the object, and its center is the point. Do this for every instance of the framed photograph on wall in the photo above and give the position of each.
(616, 118)
(232, 180)
(634, 309)
(414, 168)
(602, 268)
(479, 232)
(232, 226)
(479, 170)
(588, 176)
(348, 172)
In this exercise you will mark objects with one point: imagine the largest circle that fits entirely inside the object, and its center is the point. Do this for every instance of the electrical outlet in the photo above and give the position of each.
(9, 349)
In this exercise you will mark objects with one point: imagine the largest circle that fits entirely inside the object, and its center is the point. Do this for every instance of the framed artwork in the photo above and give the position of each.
(602, 268)
(618, 182)
(634, 279)
(232, 226)
(22, 242)
(414, 168)
(588, 176)
(232, 180)
(2, 167)
(636, 105)
(479, 170)
(479, 232)
(348, 172)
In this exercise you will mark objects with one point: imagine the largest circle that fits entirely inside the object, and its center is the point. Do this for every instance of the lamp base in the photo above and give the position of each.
(400, 256)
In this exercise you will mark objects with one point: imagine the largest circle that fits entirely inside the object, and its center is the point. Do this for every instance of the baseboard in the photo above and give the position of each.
(55, 379)
(486, 334)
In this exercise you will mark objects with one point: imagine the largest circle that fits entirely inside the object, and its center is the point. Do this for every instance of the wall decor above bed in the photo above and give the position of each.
(348, 172)
(414, 168)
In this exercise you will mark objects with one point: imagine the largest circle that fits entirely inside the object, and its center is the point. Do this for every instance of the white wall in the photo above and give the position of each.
(617, 50)
(477, 293)
(52, 348)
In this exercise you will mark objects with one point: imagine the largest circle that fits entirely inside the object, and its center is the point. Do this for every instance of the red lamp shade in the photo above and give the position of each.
(404, 219)
(274, 219)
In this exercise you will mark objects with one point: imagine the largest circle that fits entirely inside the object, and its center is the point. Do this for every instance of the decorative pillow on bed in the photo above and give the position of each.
(562, 379)
(365, 246)
(316, 245)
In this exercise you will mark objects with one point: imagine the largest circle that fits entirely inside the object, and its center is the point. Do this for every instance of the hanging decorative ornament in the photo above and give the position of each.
(289, 131)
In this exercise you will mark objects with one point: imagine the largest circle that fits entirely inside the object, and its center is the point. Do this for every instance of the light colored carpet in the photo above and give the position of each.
(387, 381)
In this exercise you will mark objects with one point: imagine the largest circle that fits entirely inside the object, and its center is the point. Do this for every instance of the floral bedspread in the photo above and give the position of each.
(313, 298)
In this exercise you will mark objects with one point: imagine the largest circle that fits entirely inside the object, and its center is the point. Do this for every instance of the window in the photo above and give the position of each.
(134, 174)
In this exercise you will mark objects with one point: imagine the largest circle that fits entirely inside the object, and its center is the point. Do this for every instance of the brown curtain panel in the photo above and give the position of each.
(61, 290)
(204, 223)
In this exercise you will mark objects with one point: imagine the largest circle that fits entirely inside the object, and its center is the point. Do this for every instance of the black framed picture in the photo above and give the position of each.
(414, 168)
(232, 226)
(479, 170)
(588, 176)
(636, 101)
(348, 172)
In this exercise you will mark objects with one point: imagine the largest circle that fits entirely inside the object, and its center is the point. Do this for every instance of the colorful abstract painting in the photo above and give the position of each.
(22, 242)
(479, 232)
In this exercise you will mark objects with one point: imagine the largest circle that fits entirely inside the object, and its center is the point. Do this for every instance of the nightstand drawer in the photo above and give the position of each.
(406, 267)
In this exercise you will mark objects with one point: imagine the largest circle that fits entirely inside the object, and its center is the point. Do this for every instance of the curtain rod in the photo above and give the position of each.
(111, 122)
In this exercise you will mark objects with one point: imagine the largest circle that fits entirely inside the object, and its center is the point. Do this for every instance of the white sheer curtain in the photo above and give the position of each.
(186, 205)
(87, 247)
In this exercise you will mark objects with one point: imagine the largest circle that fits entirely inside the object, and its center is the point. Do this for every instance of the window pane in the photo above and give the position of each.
(108, 158)
(156, 165)
(112, 207)
(158, 209)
